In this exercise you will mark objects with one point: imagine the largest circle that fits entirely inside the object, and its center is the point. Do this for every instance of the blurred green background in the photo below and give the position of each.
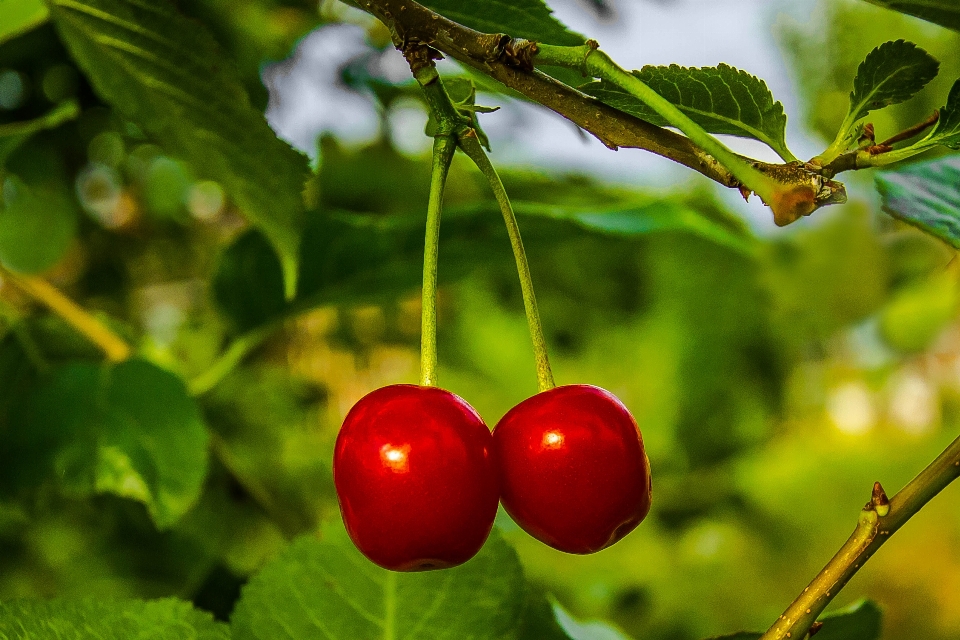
(775, 375)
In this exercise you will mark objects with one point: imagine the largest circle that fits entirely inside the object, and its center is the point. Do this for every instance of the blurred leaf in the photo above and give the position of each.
(165, 73)
(326, 588)
(38, 212)
(539, 619)
(743, 635)
(591, 630)
(942, 12)
(17, 377)
(721, 99)
(13, 134)
(130, 430)
(18, 16)
(916, 315)
(266, 433)
(859, 621)
(351, 258)
(927, 196)
(166, 619)
(634, 221)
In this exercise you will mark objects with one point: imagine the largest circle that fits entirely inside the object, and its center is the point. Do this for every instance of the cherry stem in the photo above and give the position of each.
(113, 346)
(877, 522)
(472, 147)
(443, 149)
(457, 126)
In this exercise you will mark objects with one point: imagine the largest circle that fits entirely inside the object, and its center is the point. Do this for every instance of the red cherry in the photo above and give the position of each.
(573, 472)
(414, 472)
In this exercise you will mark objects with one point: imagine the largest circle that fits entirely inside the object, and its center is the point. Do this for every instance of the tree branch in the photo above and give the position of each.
(878, 520)
(412, 24)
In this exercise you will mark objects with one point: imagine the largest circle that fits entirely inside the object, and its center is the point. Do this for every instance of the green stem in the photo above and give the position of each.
(229, 359)
(472, 147)
(592, 62)
(845, 138)
(453, 123)
(443, 149)
(873, 529)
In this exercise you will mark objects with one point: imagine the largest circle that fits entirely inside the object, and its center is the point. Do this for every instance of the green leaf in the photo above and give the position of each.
(591, 630)
(925, 195)
(639, 220)
(530, 19)
(327, 589)
(947, 130)
(917, 314)
(354, 258)
(166, 619)
(942, 12)
(859, 621)
(720, 99)
(890, 74)
(19, 16)
(38, 211)
(742, 635)
(539, 618)
(165, 73)
(13, 134)
(129, 430)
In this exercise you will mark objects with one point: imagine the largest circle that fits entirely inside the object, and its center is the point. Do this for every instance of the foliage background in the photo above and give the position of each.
(775, 375)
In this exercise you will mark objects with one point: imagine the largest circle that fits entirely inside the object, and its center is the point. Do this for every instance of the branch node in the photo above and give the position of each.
(879, 501)
(877, 149)
(420, 56)
(815, 628)
(519, 52)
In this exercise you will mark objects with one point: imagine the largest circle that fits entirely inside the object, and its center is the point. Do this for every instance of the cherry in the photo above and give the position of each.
(415, 477)
(573, 472)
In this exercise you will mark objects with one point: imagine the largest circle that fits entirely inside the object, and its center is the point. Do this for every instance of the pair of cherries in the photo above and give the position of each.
(418, 473)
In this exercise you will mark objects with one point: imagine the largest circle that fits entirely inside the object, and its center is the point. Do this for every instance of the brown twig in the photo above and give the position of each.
(915, 130)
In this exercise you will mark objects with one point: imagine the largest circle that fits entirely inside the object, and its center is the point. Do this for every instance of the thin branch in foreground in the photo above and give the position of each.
(878, 520)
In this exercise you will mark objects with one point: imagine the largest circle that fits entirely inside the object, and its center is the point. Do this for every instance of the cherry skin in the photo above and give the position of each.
(414, 472)
(573, 472)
